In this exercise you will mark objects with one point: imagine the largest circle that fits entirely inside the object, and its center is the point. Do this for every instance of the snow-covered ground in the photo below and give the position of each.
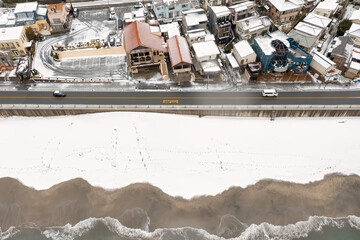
(183, 155)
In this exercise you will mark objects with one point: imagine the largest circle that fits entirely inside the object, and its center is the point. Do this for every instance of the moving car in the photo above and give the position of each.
(270, 93)
(59, 94)
(138, 5)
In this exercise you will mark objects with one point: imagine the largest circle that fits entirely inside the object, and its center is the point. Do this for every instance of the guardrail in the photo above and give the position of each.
(178, 107)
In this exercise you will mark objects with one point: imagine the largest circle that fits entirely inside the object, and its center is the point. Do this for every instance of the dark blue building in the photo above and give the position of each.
(278, 53)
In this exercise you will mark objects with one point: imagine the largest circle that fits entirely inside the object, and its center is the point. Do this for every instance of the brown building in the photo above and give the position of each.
(6, 63)
(179, 54)
(284, 11)
(143, 48)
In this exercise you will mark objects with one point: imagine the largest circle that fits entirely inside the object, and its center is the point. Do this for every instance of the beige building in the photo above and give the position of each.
(326, 8)
(322, 64)
(58, 15)
(244, 53)
(14, 39)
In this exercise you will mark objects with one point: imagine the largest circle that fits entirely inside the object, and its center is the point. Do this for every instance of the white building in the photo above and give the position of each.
(205, 51)
(317, 20)
(244, 53)
(194, 19)
(251, 27)
(354, 33)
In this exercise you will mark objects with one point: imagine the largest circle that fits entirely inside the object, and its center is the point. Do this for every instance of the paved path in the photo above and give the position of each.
(183, 98)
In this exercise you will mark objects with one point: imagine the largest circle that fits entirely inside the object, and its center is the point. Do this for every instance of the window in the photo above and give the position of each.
(171, 8)
(17, 44)
(184, 5)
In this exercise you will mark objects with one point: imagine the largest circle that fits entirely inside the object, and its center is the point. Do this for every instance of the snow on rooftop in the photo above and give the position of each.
(328, 5)
(171, 29)
(355, 15)
(203, 49)
(26, 7)
(243, 48)
(317, 20)
(42, 11)
(265, 41)
(211, 66)
(354, 29)
(10, 33)
(232, 60)
(285, 5)
(242, 6)
(355, 65)
(309, 29)
(195, 17)
(322, 60)
(220, 11)
(254, 23)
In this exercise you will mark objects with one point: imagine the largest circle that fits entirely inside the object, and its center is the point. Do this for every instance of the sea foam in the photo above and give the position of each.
(263, 231)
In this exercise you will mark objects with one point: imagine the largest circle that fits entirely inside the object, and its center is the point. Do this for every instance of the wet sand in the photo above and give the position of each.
(270, 201)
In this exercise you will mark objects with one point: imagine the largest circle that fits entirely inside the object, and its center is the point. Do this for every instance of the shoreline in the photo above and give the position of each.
(272, 201)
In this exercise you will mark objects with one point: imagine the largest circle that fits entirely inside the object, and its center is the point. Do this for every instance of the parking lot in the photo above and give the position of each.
(90, 24)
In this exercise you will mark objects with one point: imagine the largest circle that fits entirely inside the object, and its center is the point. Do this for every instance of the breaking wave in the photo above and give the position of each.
(264, 231)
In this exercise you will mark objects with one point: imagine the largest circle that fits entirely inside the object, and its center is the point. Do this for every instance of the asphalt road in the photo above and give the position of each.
(183, 98)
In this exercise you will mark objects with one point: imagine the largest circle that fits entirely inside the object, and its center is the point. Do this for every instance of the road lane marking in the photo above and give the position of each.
(170, 101)
(169, 98)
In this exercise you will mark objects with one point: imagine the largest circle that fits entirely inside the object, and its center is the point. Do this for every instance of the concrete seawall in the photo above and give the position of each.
(238, 111)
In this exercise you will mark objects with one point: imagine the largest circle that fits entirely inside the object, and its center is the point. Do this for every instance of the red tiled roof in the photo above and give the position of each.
(139, 34)
(179, 50)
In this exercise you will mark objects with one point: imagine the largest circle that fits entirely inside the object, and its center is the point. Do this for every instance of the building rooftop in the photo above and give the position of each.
(317, 20)
(322, 60)
(178, 50)
(242, 6)
(243, 48)
(171, 29)
(354, 29)
(309, 29)
(220, 11)
(355, 65)
(284, 5)
(328, 5)
(168, 2)
(211, 66)
(26, 7)
(304, 39)
(254, 23)
(264, 42)
(195, 17)
(10, 33)
(139, 34)
(41, 11)
(343, 47)
(203, 49)
(232, 60)
(355, 15)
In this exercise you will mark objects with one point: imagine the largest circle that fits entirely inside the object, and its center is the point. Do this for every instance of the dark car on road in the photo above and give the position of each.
(59, 94)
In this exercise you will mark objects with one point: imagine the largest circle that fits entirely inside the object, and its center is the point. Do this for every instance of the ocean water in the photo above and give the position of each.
(316, 228)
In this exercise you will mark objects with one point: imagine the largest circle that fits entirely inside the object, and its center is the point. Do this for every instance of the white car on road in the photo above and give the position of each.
(270, 93)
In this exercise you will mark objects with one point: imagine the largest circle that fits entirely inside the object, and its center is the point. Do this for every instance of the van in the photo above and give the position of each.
(76, 12)
(269, 93)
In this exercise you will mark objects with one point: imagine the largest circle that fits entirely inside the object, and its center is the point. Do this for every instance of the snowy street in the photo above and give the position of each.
(183, 155)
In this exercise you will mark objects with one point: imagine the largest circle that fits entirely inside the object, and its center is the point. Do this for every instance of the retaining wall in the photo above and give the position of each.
(239, 111)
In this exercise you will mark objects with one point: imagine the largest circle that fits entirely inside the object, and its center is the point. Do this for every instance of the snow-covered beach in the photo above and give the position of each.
(182, 155)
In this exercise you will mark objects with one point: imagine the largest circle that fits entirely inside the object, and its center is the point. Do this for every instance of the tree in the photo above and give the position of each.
(343, 27)
(30, 33)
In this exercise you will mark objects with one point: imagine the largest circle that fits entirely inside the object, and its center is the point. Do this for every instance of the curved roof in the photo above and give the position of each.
(139, 34)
